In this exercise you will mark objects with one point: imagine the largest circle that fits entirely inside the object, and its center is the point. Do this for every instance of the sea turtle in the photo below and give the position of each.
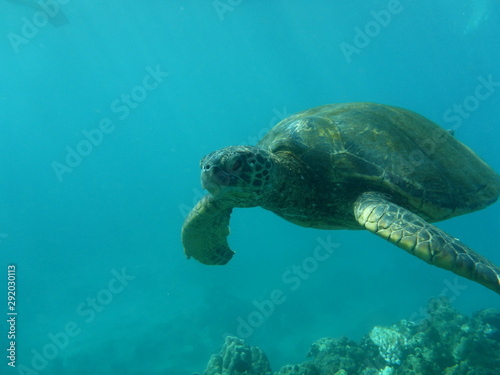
(351, 166)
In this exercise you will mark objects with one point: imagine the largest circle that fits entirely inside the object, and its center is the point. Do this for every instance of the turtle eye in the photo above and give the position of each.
(235, 164)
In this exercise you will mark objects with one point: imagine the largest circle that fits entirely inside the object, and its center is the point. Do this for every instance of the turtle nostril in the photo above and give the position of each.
(206, 167)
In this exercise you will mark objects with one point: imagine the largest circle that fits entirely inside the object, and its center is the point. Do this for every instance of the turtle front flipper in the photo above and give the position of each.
(205, 230)
(427, 242)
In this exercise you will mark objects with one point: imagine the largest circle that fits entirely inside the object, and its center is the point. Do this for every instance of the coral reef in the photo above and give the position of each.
(390, 342)
(447, 342)
(237, 357)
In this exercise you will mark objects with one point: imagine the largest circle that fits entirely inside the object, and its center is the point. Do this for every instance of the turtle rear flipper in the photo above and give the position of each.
(427, 242)
(205, 230)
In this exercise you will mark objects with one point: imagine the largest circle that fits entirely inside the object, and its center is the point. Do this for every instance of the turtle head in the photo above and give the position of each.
(241, 174)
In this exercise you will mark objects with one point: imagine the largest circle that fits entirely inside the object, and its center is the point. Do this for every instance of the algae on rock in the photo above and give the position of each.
(237, 357)
(447, 342)
(390, 342)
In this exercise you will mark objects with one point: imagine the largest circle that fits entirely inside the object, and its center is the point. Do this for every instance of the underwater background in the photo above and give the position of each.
(106, 109)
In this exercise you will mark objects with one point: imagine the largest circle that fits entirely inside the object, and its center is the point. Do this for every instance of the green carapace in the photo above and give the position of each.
(351, 166)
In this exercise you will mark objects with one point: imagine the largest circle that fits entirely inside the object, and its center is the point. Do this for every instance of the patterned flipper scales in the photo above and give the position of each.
(427, 242)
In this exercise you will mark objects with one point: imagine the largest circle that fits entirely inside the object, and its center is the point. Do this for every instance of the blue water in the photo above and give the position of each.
(103, 286)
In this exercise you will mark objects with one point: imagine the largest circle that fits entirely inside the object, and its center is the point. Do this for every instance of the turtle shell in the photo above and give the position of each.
(356, 147)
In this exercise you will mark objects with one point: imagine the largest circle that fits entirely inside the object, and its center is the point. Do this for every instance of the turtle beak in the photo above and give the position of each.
(219, 174)
(210, 178)
(213, 177)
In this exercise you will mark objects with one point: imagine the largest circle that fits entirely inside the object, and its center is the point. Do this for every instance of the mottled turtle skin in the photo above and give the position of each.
(351, 166)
